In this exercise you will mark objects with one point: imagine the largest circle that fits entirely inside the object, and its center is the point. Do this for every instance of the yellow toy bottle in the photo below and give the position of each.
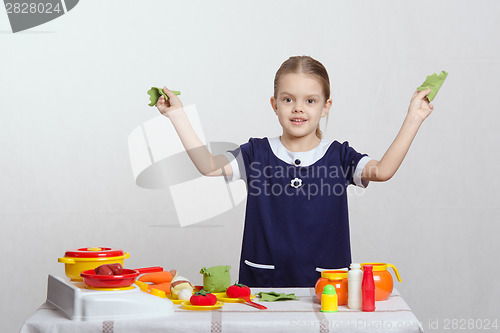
(329, 299)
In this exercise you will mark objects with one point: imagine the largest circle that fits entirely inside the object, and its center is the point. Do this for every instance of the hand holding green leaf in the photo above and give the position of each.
(420, 107)
(165, 100)
(155, 94)
(434, 82)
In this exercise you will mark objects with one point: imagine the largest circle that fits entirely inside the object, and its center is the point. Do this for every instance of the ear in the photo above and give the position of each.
(203, 270)
(274, 104)
(326, 107)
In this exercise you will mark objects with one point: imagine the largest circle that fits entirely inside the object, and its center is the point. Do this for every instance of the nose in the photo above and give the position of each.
(298, 108)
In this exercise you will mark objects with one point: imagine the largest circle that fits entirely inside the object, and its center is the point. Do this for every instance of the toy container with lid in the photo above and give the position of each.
(82, 259)
(336, 278)
(368, 289)
(329, 302)
(354, 280)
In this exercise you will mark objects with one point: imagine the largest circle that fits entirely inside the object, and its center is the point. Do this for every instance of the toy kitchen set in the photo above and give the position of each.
(85, 295)
(97, 287)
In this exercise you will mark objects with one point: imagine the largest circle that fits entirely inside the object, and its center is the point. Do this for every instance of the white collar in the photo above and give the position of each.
(305, 158)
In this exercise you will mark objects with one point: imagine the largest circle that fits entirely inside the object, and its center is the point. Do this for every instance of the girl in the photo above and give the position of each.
(296, 221)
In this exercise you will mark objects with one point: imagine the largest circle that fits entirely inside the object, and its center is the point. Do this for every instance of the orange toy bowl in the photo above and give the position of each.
(336, 278)
(383, 280)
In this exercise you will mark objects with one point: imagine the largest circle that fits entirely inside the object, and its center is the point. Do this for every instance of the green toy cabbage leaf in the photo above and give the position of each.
(155, 93)
(434, 82)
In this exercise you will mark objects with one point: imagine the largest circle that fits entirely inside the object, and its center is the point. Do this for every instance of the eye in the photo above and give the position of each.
(287, 99)
(310, 101)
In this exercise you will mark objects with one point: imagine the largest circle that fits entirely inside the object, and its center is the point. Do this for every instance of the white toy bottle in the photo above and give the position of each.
(354, 280)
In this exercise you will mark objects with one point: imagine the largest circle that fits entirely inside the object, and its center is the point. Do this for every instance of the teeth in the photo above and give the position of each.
(298, 120)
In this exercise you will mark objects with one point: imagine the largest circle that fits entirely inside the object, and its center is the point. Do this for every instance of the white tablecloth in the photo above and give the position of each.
(302, 315)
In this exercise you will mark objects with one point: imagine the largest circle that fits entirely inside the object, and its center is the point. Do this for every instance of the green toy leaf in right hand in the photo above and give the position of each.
(155, 93)
(434, 82)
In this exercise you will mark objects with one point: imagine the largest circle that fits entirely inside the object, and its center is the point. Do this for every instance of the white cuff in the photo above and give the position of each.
(357, 173)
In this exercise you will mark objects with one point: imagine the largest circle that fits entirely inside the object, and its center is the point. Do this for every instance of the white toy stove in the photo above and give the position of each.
(77, 302)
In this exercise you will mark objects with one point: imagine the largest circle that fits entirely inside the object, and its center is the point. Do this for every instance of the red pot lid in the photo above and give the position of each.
(94, 252)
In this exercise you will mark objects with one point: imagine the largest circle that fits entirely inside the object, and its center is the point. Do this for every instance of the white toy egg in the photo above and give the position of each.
(185, 294)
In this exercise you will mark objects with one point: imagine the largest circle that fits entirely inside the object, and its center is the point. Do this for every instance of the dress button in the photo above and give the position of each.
(297, 162)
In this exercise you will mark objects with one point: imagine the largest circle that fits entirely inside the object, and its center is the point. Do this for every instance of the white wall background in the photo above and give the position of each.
(73, 89)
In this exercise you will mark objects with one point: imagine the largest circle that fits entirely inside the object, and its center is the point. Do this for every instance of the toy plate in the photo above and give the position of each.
(175, 300)
(188, 306)
(223, 298)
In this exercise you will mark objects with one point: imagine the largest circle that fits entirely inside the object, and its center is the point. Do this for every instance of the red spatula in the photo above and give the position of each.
(255, 305)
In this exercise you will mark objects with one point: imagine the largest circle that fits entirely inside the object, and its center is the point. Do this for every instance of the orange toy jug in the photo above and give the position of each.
(383, 279)
(338, 279)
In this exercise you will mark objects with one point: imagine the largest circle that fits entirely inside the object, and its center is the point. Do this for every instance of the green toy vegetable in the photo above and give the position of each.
(272, 296)
(434, 82)
(155, 93)
(216, 279)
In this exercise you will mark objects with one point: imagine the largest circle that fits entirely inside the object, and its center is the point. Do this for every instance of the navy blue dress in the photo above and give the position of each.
(296, 219)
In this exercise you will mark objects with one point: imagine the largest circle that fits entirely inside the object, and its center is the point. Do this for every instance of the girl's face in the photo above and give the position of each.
(300, 105)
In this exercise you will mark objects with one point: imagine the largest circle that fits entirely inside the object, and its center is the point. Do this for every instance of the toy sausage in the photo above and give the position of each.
(109, 269)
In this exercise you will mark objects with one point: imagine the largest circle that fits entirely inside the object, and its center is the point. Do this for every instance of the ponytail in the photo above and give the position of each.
(319, 134)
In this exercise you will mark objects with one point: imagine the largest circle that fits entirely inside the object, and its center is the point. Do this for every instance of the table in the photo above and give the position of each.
(302, 315)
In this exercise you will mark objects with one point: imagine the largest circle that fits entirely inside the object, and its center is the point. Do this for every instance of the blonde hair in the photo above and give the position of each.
(306, 65)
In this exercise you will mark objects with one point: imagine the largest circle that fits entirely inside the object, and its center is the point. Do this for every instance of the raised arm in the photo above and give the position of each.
(205, 162)
(384, 169)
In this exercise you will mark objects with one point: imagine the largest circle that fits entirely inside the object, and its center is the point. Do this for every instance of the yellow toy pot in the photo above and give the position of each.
(79, 260)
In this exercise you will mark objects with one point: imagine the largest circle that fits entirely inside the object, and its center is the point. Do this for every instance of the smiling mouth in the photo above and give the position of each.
(298, 120)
